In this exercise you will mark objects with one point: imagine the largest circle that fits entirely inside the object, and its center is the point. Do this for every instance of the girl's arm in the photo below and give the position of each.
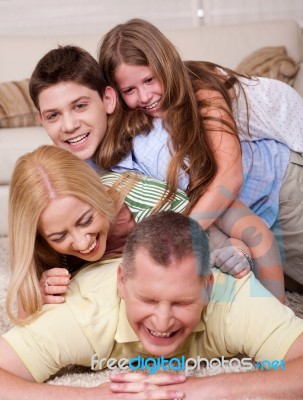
(224, 189)
(220, 198)
(230, 255)
(241, 223)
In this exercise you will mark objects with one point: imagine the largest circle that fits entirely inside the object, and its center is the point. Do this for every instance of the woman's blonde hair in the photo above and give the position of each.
(137, 42)
(40, 176)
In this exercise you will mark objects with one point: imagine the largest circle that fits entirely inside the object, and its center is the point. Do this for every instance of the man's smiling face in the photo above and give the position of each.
(163, 304)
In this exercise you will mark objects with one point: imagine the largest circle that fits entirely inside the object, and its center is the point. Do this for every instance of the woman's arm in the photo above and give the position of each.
(53, 284)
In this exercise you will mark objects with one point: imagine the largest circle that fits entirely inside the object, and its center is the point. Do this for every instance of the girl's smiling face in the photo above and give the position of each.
(71, 226)
(139, 87)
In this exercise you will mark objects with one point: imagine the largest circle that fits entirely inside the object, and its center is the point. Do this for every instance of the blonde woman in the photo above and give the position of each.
(59, 206)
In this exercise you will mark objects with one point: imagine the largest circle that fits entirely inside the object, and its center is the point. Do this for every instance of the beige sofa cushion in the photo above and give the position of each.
(16, 106)
(271, 62)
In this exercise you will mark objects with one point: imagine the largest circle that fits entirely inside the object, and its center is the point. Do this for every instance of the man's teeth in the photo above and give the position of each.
(153, 105)
(78, 140)
(161, 334)
(90, 249)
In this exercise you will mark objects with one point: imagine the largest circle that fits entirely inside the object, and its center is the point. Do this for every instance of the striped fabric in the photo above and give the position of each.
(146, 194)
(16, 106)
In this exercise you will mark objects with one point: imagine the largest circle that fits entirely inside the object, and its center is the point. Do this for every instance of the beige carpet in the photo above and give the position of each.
(79, 376)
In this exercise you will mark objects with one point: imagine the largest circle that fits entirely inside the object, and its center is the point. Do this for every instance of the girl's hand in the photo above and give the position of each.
(231, 260)
(53, 283)
(148, 386)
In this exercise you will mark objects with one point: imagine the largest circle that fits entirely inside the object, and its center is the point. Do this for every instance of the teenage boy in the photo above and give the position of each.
(141, 307)
(73, 100)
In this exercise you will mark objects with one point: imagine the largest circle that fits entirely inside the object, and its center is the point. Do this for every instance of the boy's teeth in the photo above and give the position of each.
(90, 249)
(160, 334)
(78, 139)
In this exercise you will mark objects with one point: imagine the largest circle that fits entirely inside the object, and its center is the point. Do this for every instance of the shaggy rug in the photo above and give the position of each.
(85, 377)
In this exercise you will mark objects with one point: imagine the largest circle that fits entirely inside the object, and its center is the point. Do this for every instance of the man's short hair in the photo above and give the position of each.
(168, 236)
(66, 64)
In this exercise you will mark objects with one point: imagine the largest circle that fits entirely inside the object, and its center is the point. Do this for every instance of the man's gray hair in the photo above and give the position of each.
(168, 236)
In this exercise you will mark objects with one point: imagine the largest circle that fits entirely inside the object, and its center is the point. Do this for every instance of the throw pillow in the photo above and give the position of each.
(271, 62)
(16, 106)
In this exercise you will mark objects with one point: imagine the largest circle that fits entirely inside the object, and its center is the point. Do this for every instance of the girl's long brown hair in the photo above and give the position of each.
(137, 42)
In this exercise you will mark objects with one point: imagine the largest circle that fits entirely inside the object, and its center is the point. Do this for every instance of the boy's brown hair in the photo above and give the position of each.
(66, 64)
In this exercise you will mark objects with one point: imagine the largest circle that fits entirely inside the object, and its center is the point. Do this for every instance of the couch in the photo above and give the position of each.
(227, 45)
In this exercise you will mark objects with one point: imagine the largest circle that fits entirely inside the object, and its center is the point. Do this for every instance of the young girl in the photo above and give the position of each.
(202, 106)
(206, 109)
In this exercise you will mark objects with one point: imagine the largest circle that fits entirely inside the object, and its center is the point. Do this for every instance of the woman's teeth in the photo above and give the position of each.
(91, 248)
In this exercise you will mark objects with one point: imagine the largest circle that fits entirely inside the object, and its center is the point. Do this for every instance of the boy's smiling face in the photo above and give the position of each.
(75, 116)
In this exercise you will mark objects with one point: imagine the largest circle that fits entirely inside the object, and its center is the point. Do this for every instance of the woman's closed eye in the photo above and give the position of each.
(59, 239)
(87, 221)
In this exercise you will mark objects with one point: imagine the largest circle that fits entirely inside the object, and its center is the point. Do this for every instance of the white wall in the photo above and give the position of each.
(231, 11)
(44, 17)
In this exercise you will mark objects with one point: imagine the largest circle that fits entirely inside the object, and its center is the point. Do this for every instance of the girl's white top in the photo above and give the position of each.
(275, 111)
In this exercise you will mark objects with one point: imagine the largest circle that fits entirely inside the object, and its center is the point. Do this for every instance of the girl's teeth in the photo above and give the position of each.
(90, 249)
(152, 105)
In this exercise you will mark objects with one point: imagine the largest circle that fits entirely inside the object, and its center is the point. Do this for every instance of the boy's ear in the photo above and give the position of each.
(120, 281)
(109, 100)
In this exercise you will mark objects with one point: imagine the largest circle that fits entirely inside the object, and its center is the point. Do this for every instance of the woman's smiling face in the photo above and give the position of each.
(71, 226)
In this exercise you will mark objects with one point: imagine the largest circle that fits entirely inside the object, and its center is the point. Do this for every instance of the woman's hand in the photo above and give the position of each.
(231, 260)
(53, 283)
